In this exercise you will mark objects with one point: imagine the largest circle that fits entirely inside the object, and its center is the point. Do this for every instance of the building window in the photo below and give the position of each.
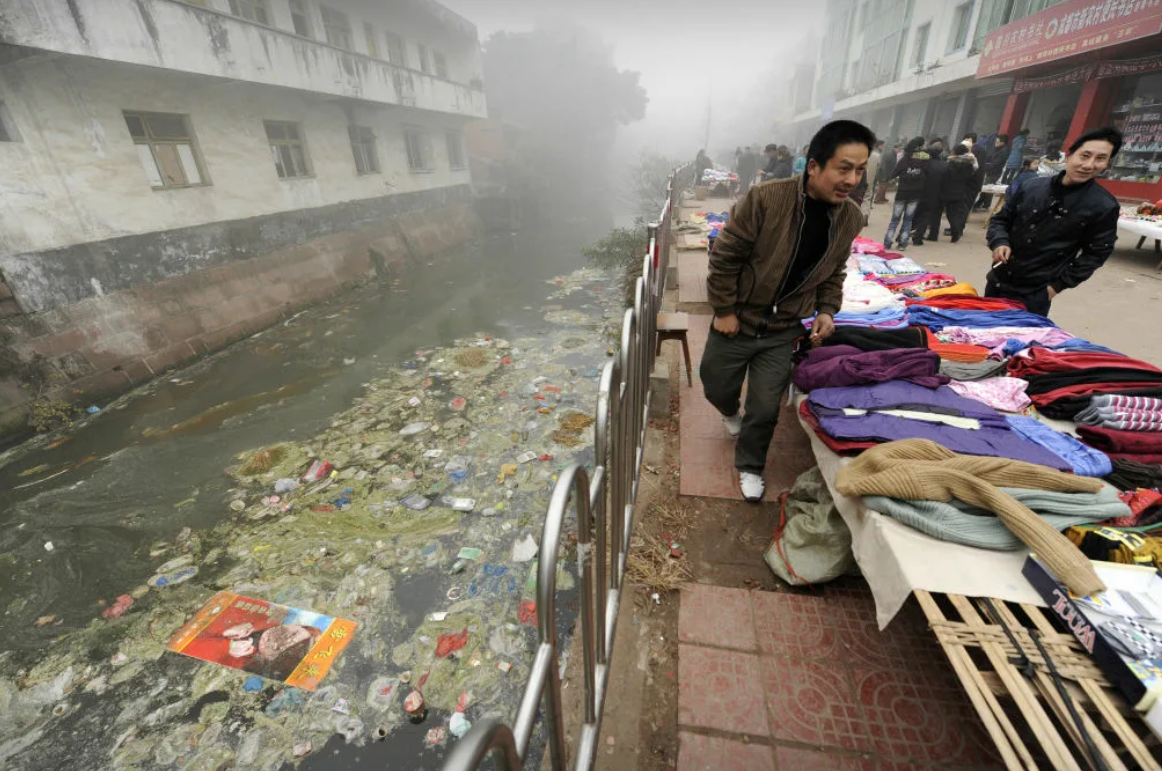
(455, 141)
(251, 10)
(372, 42)
(363, 147)
(287, 149)
(166, 149)
(425, 59)
(958, 37)
(336, 27)
(8, 130)
(395, 49)
(441, 64)
(920, 46)
(419, 150)
(300, 18)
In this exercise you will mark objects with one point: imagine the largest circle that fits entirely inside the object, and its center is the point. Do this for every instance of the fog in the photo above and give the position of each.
(726, 63)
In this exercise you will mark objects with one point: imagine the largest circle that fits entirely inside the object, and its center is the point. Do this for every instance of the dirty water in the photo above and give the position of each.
(445, 405)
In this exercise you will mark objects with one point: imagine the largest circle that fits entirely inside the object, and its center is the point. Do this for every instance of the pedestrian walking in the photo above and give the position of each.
(912, 173)
(800, 163)
(928, 213)
(994, 166)
(781, 259)
(784, 165)
(1016, 157)
(871, 178)
(887, 170)
(955, 188)
(748, 166)
(1054, 232)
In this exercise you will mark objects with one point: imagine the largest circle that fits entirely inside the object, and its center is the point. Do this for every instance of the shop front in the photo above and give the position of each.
(1084, 64)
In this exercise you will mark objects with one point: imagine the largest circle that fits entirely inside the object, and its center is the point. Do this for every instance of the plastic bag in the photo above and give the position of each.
(813, 544)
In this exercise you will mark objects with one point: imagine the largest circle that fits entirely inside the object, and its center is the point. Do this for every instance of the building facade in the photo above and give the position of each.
(180, 174)
(909, 67)
(1056, 67)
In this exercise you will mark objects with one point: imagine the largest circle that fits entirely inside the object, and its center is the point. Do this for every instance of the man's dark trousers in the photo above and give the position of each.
(765, 363)
(1035, 302)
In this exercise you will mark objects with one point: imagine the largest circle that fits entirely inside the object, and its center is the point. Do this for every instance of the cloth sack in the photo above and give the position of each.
(814, 544)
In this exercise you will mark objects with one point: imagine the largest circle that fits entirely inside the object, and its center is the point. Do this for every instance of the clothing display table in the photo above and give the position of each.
(1144, 229)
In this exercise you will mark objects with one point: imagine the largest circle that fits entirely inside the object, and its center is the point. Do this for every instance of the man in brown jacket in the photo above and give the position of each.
(780, 259)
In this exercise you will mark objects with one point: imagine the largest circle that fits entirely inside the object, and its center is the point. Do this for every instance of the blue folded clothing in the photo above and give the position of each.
(936, 319)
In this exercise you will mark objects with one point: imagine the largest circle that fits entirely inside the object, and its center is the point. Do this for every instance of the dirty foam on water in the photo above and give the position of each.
(423, 532)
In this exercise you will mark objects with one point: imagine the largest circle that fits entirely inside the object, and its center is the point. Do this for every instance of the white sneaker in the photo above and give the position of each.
(752, 486)
(733, 425)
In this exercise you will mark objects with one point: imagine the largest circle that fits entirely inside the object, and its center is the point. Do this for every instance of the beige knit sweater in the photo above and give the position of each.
(918, 469)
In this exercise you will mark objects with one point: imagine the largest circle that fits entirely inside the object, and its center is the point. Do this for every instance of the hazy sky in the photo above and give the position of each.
(686, 51)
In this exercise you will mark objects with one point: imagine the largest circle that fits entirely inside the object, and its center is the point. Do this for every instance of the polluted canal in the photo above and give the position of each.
(317, 548)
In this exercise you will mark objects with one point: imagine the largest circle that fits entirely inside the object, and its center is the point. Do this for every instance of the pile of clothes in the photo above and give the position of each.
(973, 377)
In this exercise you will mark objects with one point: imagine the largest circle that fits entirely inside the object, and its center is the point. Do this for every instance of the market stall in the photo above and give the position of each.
(958, 434)
(1144, 221)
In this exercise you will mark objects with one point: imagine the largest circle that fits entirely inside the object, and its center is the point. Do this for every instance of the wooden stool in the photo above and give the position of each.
(673, 326)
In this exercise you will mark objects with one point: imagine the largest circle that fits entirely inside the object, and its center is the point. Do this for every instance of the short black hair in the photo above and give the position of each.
(1103, 134)
(915, 143)
(770, 149)
(1023, 132)
(879, 143)
(1052, 148)
(836, 133)
(1003, 137)
(1028, 162)
(971, 135)
(959, 149)
(934, 140)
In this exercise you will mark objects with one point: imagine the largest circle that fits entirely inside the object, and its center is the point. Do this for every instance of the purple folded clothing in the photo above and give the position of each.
(836, 366)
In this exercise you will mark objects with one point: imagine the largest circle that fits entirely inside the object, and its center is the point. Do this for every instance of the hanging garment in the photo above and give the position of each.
(959, 522)
(1003, 393)
(1085, 461)
(993, 438)
(842, 365)
(919, 470)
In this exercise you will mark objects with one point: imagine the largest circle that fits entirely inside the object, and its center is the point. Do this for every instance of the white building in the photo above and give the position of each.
(178, 174)
(909, 67)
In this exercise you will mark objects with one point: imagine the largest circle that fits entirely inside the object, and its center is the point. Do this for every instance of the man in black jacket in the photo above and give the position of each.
(955, 187)
(928, 212)
(1056, 231)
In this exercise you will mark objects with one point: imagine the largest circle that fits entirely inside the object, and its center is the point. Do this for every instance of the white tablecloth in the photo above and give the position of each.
(1140, 228)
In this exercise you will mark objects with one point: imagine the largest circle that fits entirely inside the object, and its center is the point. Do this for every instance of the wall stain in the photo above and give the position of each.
(78, 19)
(150, 26)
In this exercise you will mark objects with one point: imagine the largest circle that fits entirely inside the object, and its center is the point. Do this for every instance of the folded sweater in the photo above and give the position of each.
(915, 469)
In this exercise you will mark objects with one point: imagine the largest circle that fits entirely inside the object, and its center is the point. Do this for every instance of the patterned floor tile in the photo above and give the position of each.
(795, 759)
(710, 753)
(720, 689)
(814, 702)
(717, 616)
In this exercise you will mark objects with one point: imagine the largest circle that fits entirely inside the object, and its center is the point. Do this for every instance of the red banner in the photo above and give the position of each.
(1067, 30)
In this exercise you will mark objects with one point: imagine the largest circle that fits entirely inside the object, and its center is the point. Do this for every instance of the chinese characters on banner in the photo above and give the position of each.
(1067, 30)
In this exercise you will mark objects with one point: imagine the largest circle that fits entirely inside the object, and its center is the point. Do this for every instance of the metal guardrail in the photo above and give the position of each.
(604, 503)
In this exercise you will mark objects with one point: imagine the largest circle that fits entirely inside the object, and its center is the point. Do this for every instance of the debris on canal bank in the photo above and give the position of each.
(415, 514)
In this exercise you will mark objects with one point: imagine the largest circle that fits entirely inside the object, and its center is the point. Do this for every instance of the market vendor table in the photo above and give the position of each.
(998, 194)
(1143, 230)
(1020, 706)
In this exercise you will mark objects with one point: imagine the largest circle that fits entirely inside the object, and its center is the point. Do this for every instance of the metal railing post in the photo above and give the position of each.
(605, 505)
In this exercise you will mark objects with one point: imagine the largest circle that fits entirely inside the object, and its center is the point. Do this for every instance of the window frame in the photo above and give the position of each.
(440, 65)
(425, 56)
(251, 6)
(397, 52)
(299, 11)
(454, 138)
(920, 55)
(9, 131)
(372, 40)
(333, 28)
(423, 150)
(154, 141)
(364, 148)
(299, 141)
(953, 46)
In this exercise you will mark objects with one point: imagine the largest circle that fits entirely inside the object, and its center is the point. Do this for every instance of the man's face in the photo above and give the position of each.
(834, 182)
(1090, 160)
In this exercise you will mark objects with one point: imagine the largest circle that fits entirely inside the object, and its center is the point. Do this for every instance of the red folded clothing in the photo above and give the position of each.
(1086, 389)
(967, 302)
(1148, 459)
(837, 446)
(1113, 440)
(1043, 360)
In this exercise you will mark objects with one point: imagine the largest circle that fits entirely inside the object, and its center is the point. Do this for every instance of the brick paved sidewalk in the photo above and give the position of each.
(798, 682)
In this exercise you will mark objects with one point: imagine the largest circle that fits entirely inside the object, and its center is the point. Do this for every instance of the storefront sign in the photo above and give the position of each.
(1067, 30)
(1076, 75)
(1128, 67)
